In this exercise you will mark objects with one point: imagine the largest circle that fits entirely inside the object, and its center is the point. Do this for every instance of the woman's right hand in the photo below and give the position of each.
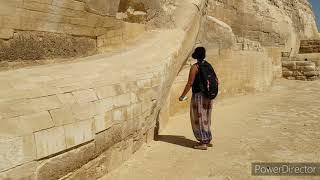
(183, 98)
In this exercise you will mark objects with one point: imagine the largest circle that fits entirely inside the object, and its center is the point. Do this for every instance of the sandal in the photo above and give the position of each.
(201, 147)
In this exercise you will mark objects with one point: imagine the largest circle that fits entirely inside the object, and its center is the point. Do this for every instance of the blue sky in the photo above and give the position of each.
(316, 9)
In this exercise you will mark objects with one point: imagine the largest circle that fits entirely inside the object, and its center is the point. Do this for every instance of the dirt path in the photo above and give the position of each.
(278, 126)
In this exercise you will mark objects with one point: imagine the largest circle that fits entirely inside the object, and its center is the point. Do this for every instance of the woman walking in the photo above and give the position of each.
(201, 105)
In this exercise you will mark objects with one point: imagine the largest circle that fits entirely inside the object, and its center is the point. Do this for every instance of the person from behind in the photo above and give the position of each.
(204, 83)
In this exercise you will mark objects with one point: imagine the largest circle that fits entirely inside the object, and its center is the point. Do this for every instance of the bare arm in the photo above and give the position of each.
(192, 75)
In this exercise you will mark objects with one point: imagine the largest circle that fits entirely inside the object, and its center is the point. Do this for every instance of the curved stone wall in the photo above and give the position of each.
(56, 118)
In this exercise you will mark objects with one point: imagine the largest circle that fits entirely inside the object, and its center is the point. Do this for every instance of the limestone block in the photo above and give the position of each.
(108, 138)
(144, 83)
(302, 78)
(119, 115)
(116, 159)
(130, 112)
(66, 98)
(59, 166)
(138, 142)
(62, 116)
(134, 98)
(291, 78)
(8, 8)
(131, 86)
(25, 171)
(297, 73)
(150, 135)
(6, 33)
(27, 124)
(84, 111)
(108, 91)
(50, 141)
(41, 1)
(68, 4)
(16, 151)
(94, 169)
(128, 149)
(309, 68)
(84, 96)
(289, 64)
(104, 105)
(311, 73)
(38, 104)
(312, 78)
(155, 81)
(150, 94)
(128, 128)
(146, 106)
(103, 122)
(78, 133)
(102, 7)
(305, 63)
(137, 109)
(122, 100)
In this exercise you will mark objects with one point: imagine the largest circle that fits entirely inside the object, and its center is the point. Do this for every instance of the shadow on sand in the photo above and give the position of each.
(178, 140)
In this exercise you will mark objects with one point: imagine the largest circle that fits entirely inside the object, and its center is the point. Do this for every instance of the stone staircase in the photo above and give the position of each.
(300, 70)
(303, 66)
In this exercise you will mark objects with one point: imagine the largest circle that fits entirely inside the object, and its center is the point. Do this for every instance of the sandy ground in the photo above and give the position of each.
(278, 126)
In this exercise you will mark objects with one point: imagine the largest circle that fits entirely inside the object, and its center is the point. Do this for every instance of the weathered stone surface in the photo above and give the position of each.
(117, 157)
(66, 98)
(122, 100)
(84, 111)
(23, 125)
(300, 70)
(25, 171)
(119, 115)
(59, 166)
(16, 151)
(50, 141)
(309, 46)
(138, 142)
(93, 169)
(85, 96)
(276, 22)
(6, 33)
(103, 122)
(311, 73)
(287, 73)
(62, 116)
(102, 7)
(41, 45)
(289, 64)
(150, 135)
(79, 133)
(108, 138)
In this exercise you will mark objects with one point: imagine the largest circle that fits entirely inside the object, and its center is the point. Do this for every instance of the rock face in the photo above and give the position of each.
(270, 22)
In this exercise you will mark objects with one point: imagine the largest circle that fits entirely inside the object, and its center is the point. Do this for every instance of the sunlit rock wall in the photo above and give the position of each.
(45, 29)
(270, 22)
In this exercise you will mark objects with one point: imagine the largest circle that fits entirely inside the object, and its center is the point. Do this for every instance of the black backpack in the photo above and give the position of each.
(208, 80)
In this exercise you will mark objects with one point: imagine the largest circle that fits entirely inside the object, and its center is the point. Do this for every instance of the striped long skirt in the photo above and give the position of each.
(200, 115)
